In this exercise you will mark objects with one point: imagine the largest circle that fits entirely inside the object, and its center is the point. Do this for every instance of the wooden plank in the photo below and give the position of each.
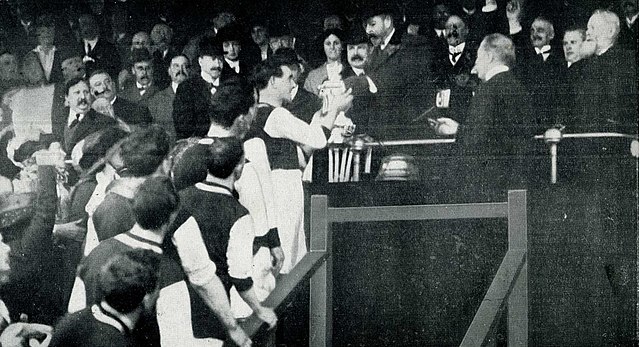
(517, 219)
(518, 311)
(319, 223)
(286, 284)
(417, 212)
(494, 300)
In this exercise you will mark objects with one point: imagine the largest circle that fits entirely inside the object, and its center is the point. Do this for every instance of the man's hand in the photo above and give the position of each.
(277, 260)
(239, 337)
(341, 102)
(444, 126)
(22, 334)
(513, 10)
(267, 315)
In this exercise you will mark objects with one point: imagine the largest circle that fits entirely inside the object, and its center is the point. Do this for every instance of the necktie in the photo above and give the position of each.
(88, 48)
(75, 121)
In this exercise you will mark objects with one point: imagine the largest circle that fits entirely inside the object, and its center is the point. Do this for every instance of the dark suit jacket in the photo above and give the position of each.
(160, 66)
(607, 95)
(161, 108)
(106, 57)
(131, 93)
(304, 105)
(498, 126)
(227, 71)
(458, 79)
(402, 75)
(543, 79)
(628, 35)
(190, 116)
(92, 122)
(131, 112)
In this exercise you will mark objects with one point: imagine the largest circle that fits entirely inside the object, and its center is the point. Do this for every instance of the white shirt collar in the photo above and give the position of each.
(632, 20)
(39, 49)
(357, 71)
(205, 76)
(146, 234)
(569, 64)
(91, 42)
(439, 32)
(604, 51)
(108, 320)
(387, 39)
(233, 64)
(456, 49)
(294, 91)
(174, 86)
(496, 70)
(216, 130)
(72, 117)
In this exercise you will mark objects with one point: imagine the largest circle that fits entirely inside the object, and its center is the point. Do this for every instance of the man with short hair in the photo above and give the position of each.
(282, 134)
(142, 88)
(227, 232)
(230, 37)
(260, 36)
(494, 139)
(190, 107)
(543, 71)
(125, 111)
(572, 45)
(127, 281)
(161, 104)
(140, 40)
(77, 120)
(163, 52)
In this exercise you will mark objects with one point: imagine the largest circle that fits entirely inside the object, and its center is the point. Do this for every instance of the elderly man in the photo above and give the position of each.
(161, 104)
(607, 95)
(499, 120)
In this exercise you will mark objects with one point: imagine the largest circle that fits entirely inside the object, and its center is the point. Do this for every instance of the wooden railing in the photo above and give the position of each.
(508, 288)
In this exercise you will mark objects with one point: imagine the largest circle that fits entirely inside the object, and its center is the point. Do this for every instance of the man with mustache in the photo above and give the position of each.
(400, 68)
(79, 119)
(98, 53)
(543, 70)
(358, 50)
(193, 96)
(143, 88)
(161, 104)
(124, 111)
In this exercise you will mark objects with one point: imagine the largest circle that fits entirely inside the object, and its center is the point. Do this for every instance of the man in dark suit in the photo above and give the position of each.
(607, 95)
(163, 53)
(399, 70)
(47, 52)
(629, 28)
(455, 81)
(494, 139)
(128, 112)
(143, 87)
(193, 96)
(99, 54)
(230, 37)
(78, 119)
(358, 51)
(543, 70)
(303, 104)
(161, 104)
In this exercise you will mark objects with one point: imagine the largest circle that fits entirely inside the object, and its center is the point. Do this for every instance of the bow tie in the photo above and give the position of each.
(543, 50)
(142, 88)
(455, 50)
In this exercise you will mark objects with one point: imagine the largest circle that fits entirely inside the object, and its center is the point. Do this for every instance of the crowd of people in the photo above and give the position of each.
(152, 189)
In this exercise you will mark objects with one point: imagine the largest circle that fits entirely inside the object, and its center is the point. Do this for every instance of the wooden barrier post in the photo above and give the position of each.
(517, 305)
(321, 291)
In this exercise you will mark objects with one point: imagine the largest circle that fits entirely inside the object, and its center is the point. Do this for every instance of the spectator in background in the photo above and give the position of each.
(143, 87)
(98, 53)
(161, 104)
(163, 53)
(629, 28)
(332, 69)
(9, 72)
(260, 36)
(46, 50)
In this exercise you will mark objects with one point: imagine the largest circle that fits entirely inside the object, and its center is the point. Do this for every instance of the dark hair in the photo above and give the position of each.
(99, 72)
(98, 144)
(140, 55)
(72, 82)
(224, 155)
(127, 277)
(270, 68)
(144, 150)
(233, 98)
(154, 202)
(339, 33)
(45, 20)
